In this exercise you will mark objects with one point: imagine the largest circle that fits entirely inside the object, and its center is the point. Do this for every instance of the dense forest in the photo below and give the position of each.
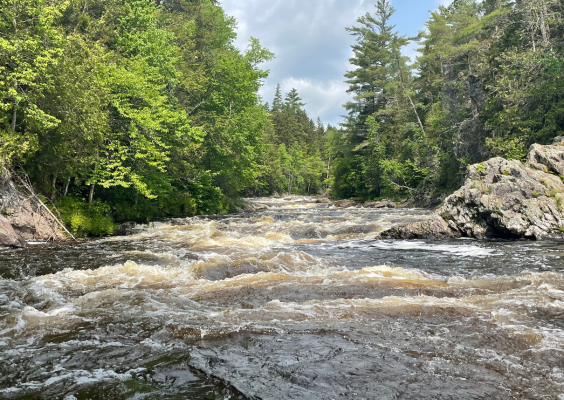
(128, 108)
(135, 109)
(488, 81)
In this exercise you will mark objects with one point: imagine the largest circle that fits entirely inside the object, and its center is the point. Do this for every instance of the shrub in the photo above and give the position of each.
(83, 219)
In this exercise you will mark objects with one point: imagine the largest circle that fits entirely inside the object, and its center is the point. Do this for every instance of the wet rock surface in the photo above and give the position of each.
(502, 199)
(380, 204)
(346, 203)
(433, 227)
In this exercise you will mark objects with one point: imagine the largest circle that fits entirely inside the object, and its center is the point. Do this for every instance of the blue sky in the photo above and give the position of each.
(311, 45)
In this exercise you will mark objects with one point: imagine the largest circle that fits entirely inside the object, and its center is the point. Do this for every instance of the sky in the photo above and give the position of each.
(311, 44)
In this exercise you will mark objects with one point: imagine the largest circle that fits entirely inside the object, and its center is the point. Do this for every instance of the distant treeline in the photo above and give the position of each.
(136, 109)
(488, 81)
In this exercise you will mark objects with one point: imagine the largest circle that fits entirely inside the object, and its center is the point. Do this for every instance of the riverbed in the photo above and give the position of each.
(299, 301)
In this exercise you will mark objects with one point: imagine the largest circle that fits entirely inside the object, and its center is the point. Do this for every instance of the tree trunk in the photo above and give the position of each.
(416, 114)
(67, 187)
(545, 29)
(53, 187)
(14, 115)
(91, 194)
(409, 97)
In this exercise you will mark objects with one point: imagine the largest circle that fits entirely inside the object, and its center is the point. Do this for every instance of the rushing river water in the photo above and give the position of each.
(296, 302)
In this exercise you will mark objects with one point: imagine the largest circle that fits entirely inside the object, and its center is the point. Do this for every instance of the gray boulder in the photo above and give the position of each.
(433, 227)
(380, 204)
(8, 236)
(547, 158)
(506, 199)
(345, 203)
(502, 199)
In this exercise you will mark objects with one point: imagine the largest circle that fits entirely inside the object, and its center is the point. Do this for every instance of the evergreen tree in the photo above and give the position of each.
(277, 103)
(293, 101)
(488, 82)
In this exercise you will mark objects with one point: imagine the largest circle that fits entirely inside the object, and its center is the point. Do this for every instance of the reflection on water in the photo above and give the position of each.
(300, 301)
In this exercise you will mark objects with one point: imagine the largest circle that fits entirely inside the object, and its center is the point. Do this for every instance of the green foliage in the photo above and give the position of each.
(558, 202)
(292, 153)
(147, 107)
(84, 219)
(510, 149)
(31, 44)
(487, 82)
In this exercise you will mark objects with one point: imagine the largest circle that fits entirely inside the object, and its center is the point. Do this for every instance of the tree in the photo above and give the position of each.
(277, 103)
(293, 100)
(30, 48)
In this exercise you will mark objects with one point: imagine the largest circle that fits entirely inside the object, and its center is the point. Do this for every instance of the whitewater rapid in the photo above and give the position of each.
(300, 301)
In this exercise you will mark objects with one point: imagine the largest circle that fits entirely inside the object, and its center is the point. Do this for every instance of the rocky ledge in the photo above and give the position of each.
(23, 217)
(502, 199)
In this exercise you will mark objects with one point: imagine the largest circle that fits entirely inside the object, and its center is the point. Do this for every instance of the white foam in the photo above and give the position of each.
(463, 250)
(18, 327)
(81, 377)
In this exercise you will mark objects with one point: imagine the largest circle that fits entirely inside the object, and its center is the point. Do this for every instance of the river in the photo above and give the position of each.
(299, 301)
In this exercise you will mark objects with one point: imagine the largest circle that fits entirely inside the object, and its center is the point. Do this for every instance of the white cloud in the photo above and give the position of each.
(312, 46)
(321, 97)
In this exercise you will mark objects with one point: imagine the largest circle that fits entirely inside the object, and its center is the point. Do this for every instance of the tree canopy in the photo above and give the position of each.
(487, 82)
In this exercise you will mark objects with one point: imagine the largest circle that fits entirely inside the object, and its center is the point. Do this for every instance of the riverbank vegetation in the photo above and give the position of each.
(147, 108)
(134, 110)
(488, 81)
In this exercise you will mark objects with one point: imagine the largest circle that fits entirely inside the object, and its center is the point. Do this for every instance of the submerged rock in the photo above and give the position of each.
(249, 208)
(345, 203)
(380, 204)
(502, 199)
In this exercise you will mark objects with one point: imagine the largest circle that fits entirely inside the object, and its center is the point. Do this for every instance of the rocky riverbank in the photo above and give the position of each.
(502, 199)
(23, 217)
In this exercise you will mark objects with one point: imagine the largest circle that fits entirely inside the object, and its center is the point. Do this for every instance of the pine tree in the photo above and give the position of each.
(372, 57)
(293, 100)
(277, 103)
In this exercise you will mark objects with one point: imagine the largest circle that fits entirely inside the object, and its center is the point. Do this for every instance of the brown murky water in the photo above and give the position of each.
(297, 302)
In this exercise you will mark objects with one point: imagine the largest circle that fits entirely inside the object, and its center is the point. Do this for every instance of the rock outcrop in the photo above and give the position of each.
(502, 199)
(547, 158)
(380, 204)
(346, 203)
(8, 236)
(433, 227)
(22, 217)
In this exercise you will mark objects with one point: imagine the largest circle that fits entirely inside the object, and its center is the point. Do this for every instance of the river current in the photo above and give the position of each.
(299, 301)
